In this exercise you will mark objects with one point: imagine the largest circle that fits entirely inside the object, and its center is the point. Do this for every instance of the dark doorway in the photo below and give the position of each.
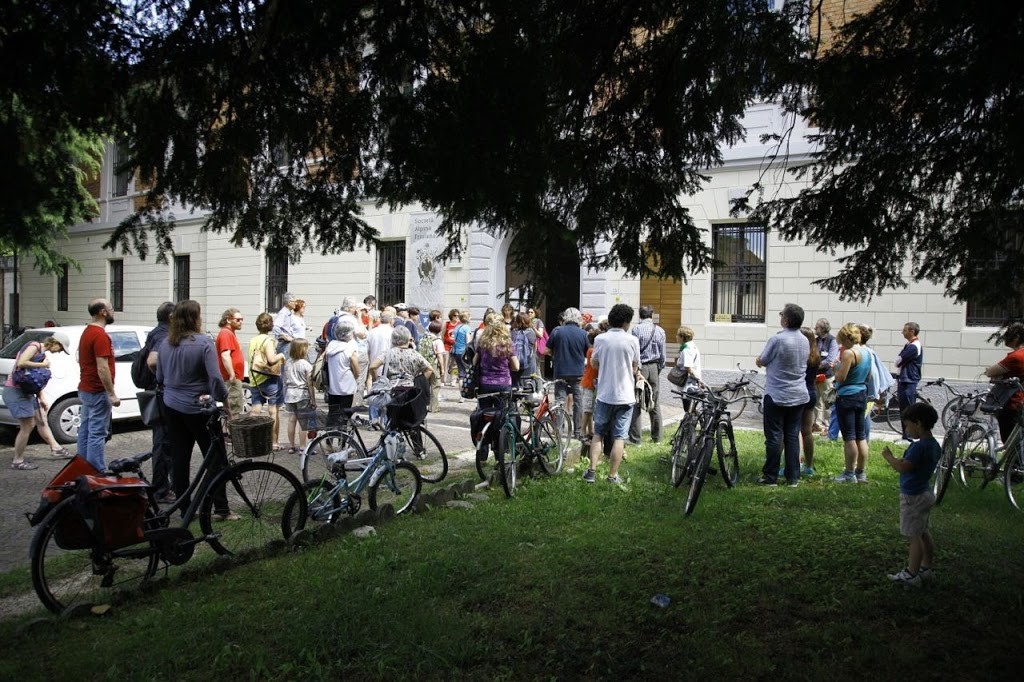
(554, 284)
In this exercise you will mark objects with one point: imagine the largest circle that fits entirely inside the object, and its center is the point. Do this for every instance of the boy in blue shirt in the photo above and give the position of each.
(916, 498)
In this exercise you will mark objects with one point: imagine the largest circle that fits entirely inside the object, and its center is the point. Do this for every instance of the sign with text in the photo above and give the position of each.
(425, 287)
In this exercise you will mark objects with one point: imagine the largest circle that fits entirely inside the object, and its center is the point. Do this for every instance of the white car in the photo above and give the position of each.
(62, 391)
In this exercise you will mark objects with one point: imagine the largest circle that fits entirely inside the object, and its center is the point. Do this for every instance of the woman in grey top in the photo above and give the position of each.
(785, 393)
(186, 368)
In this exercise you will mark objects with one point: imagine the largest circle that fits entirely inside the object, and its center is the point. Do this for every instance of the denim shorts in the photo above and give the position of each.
(20, 404)
(850, 411)
(269, 392)
(612, 417)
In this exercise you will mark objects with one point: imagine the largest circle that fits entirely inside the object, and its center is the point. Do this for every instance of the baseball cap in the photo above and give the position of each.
(62, 339)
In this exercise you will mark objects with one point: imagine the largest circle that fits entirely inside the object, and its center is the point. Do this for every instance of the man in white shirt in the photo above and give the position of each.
(617, 358)
(379, 338)
(286, 326)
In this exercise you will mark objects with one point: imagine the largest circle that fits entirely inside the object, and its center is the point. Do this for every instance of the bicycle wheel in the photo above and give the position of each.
(506, 455)
(1013, 478)
(947, 460)
(949, 412)
(398, 487)
(728, 461)
(326, 453)
(425, 451)
(548, 446)
(700, 472)
(323, 505)
(976, 457)
(562, 421)
(257, 493)
(681, 443)
(736, 408)
(892, 414)
(68, 570)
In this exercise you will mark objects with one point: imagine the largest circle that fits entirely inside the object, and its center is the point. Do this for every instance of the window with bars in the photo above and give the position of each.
(739, 277)
(122, 177)
(62, 288)
(390, 287)
(277, 278)
(1002, 243)
(182, 278)
(117, 284)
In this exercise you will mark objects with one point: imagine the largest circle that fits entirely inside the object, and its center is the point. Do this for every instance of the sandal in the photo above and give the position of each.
(24, 465)
(61, 453)
(230, 516)
(293, 451)
(278, 448)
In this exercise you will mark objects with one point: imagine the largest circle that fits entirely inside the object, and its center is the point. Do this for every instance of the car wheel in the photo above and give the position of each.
(64, 419)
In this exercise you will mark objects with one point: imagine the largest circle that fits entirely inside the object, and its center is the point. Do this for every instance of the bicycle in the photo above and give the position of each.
(744, 391)
(1011, 464)
(887, 406)
(386, 476)
(73, 562)
(421, 447)
(716, 435)
(516, 445)
(687, 434)
(968, 448)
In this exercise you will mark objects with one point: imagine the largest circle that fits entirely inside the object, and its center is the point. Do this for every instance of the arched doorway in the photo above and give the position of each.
(556, 279)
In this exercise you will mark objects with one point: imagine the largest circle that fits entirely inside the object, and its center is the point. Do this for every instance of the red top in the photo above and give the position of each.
(449, 334)
(1014, 364)
(227, 340)
(589, 379)
(95, 344)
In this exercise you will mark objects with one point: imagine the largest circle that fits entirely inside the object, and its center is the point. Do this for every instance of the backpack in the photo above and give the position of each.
(32, 379)
(321, 373)
(521, 343)
(426, 349)
(542, 342)
(142, 375)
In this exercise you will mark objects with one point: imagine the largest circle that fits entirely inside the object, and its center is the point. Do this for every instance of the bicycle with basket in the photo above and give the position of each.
(101, 533)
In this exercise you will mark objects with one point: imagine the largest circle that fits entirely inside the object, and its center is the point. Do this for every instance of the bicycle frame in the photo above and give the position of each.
(380, 463)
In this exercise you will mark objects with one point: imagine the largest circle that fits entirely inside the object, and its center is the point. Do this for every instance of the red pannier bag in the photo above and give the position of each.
(60, 487)
(113, 508)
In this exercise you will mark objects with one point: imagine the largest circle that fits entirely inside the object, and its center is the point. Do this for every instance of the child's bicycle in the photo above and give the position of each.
(102, 533)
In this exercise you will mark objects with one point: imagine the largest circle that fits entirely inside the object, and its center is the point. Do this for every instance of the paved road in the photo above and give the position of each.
(19, 490)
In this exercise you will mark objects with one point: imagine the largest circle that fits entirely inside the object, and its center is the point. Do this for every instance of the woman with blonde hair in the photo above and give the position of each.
(299, 395)
(851, 403)
(495, 357)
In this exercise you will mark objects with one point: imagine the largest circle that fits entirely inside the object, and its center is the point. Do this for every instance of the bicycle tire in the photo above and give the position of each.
(949, 412)
(258, 493)
(947, 460)
(892, 412)
(700, 473)
(680, 448)
(66, 577)
(562, 421)
(323, 505)
(398, 487)
(424, 450)
(1013, 478)
(506, 456)
(741, 405)
(728, 459)
(315, 463)
(548, 446)
(976, 457)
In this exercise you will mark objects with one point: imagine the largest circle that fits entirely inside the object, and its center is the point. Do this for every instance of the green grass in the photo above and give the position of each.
(557, 582)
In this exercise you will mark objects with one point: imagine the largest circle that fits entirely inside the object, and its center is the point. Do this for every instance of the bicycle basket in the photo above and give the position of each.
(251, 435)
(998, 395)
(407, 408)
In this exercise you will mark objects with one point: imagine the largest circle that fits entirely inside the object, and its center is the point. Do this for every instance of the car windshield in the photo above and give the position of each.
(11, 350)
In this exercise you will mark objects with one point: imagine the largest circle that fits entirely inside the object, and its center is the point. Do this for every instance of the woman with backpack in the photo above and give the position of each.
(431, 347)
(497, 359)
(30, 408)
(524, 341)
(462, 334)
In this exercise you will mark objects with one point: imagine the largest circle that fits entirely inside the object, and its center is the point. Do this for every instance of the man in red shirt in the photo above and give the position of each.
(232, 363)
(96, 386)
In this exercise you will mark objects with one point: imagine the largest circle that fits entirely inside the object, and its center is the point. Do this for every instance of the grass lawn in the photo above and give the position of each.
(557, 583)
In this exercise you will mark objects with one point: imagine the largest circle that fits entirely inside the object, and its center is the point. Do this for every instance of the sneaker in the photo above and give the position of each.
(845, 477)
(765, 481)
(614, 479)
(925, 574)
(806, 471)
(792, 484)
(861, 477)
(905, 578)
(229, 516)
(590, 476)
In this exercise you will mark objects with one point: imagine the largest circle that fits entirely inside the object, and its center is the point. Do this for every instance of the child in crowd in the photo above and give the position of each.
(588, 386)
(916, 499)
(299, 396)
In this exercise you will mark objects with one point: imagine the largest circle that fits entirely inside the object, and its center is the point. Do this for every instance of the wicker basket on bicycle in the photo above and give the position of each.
(252, 435)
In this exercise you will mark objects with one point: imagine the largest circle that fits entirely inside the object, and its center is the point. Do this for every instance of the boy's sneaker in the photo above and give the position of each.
(806, 471)
(590, 476)
(905, 578)
(614, 479)
(845, 477)
(765, 481)
(861, 477)
(925, 574)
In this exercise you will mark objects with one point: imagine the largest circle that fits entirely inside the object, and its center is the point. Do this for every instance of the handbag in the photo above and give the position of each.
(678, 376)
(149, 407)
(471, 384)
(32, 380)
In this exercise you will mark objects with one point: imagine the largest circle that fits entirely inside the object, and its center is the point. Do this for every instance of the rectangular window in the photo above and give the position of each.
(121, 176)
(390, 272)
(277, 278)
(1002, 242)
(117, 284)
(739, 277)
(182, 277)
(62, 288)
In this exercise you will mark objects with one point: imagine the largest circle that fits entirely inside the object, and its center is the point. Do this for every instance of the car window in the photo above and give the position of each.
(11, 350)
(126, 344)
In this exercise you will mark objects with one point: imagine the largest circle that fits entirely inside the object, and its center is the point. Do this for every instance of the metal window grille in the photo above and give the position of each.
(62, 288)
(182, 278)
(277, 278)
(122, 176)
(390, 272)
(984, 312)
(739, 278)
(117, 284)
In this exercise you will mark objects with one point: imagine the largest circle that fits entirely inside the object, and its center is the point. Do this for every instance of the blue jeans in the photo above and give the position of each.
(782, 432)
(833, 426)
(92, 431)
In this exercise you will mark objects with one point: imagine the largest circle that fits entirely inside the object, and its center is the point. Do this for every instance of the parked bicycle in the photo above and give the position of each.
(744, 391)
(524, 432)
(1011, 463)
(715, 435)
(969, 444)
(687, 435)
(108, 534)
(887, 407)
